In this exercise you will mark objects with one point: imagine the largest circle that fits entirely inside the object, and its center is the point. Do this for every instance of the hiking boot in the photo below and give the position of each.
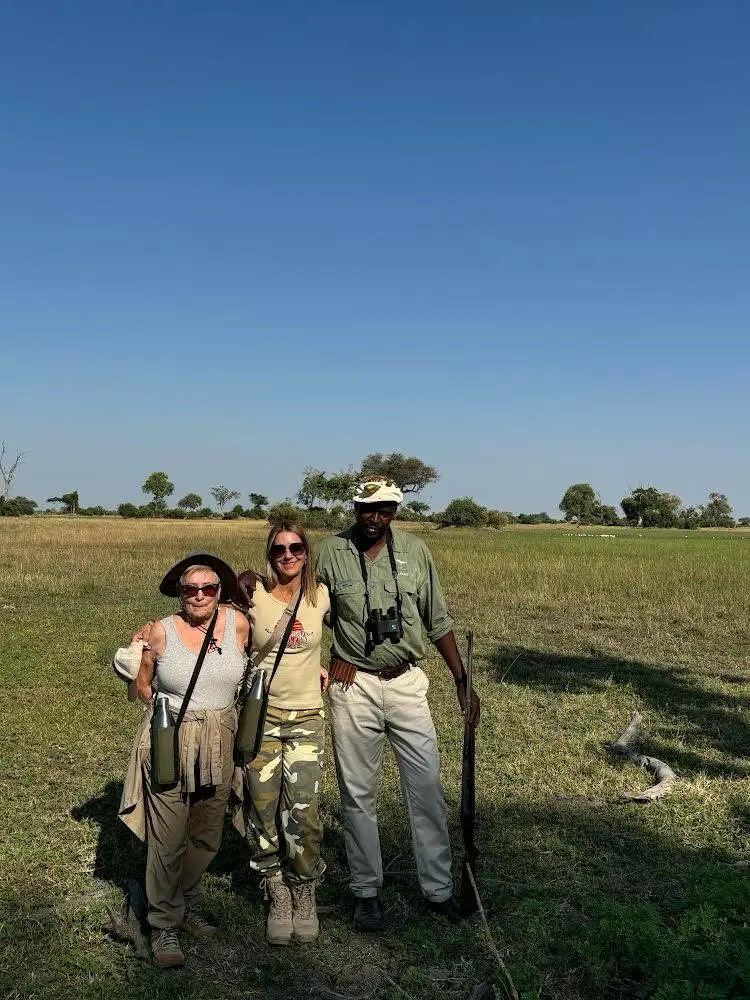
(197, 927)
(279, 924)
(447, 908)
(305, 914)
(165, 947)
(368, 915)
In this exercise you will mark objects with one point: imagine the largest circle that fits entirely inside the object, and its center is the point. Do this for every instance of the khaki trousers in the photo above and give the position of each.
(362, 717)
(183, 834)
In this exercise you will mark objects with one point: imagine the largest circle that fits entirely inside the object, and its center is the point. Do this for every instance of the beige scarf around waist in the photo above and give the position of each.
(202, 750)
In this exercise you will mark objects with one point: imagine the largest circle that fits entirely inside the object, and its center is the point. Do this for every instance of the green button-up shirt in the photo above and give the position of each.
(422, 601)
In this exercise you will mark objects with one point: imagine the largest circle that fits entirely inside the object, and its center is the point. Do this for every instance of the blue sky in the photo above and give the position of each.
(243, 238)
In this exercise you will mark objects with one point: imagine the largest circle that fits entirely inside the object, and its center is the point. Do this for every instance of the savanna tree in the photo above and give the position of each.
(578, 502)
(159, 486)
(68, 500)
(9, 467)
(408, 472)
(222, 495)
(191, 501)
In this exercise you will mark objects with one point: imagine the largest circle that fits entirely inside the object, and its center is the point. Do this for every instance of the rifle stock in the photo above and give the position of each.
(467, 896)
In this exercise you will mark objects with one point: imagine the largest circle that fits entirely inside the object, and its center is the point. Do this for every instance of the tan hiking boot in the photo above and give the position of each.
(279, 924)
(196, 926)
(165, 947)
(305, 913)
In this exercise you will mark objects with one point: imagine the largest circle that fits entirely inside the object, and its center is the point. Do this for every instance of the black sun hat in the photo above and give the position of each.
(224, 571)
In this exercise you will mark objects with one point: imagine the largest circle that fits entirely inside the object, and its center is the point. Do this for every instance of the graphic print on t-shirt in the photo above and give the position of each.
(298, 638)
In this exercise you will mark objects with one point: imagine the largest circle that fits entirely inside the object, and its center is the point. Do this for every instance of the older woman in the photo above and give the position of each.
(183, 824)
(283, 780)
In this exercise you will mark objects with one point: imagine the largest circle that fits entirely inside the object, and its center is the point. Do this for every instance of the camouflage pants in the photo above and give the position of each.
(283, 787)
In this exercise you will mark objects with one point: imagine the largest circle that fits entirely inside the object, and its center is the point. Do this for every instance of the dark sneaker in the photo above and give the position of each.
(447, 908)
(196, 926)
(165, 947)
(368, 915)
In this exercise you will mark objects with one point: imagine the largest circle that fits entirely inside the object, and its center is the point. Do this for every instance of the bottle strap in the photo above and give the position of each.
(196, 670)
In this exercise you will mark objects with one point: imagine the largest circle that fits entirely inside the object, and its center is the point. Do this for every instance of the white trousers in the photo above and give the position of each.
(362, 716)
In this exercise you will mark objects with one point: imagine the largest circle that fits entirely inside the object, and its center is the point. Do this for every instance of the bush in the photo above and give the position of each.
(205, 512)
(17, 506)
(496, 519)
(463, 513)
(127, 510)
(541, 518)
(286, 511)
(97, 511)
(175, 514)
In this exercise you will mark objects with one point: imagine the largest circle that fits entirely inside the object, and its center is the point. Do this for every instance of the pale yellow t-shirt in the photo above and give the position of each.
(297, 681)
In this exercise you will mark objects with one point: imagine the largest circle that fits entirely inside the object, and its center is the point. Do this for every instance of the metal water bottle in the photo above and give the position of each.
(252, 718)
(163, 744)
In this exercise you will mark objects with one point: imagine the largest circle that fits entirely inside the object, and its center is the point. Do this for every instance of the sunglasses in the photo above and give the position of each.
(192, 589)
(296, 549)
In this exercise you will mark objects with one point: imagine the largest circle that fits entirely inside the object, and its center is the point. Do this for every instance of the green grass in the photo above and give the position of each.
(586, 898)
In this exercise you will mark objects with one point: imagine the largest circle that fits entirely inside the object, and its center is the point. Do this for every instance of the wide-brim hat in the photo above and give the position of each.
(224, 571)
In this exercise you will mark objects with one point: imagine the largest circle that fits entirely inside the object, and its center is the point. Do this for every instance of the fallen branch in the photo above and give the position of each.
(664, 776)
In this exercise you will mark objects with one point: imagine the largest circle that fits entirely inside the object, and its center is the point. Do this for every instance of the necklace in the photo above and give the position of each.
(212, 643)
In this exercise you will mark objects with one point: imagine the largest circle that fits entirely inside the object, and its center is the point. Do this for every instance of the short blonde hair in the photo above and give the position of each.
(194, 569)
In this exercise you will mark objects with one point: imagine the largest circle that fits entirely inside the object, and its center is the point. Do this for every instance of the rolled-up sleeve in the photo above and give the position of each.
(432, 608)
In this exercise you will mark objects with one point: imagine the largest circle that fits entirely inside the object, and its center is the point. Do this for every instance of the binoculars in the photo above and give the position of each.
(384, 626)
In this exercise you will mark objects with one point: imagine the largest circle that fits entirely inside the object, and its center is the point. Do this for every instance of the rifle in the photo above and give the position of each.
(468, 897)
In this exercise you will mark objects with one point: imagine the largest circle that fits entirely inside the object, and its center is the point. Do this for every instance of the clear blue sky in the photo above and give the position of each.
(510, 238)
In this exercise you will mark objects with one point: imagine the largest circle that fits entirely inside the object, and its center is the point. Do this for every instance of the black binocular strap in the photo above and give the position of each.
(394, 570)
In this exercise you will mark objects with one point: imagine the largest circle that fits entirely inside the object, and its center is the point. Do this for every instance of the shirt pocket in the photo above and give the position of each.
(407, 587)
(349, 601)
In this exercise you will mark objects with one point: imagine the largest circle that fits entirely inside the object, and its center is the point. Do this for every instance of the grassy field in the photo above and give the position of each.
(586, 897)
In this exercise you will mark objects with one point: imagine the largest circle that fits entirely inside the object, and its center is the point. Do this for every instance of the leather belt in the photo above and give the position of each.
(343, 672)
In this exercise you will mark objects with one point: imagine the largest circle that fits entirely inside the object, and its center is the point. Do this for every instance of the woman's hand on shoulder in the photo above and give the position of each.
(247, 581)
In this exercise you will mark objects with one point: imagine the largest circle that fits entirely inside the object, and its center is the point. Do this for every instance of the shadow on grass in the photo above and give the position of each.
(599, 904)
(700, 715)
(119, 854)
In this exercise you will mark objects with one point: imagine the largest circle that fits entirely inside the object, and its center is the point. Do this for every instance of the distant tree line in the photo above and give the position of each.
(647, 507)
(323, 501)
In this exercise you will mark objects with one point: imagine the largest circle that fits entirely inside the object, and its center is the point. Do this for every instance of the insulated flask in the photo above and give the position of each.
(252, 718)
(163, 744)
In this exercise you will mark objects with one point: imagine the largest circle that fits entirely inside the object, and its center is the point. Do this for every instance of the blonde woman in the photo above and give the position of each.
(282, 824)
(182, 824)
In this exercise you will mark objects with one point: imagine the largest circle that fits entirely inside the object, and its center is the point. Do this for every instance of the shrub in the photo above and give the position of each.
(496, 519)
(285, 511)
(463, 512)
(175, 514)
(16, 506)
(127, 510)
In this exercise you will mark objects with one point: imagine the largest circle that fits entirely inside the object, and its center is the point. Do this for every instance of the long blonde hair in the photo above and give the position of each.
(307, 576)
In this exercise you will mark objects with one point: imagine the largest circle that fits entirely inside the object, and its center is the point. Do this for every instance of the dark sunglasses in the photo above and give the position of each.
(296, 548)
(192, 589)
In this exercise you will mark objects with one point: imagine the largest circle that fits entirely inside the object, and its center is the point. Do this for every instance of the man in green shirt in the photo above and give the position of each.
(384, 589)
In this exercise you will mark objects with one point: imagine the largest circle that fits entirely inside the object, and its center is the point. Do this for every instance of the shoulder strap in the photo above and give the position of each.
(197, 670)
(283, 627)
